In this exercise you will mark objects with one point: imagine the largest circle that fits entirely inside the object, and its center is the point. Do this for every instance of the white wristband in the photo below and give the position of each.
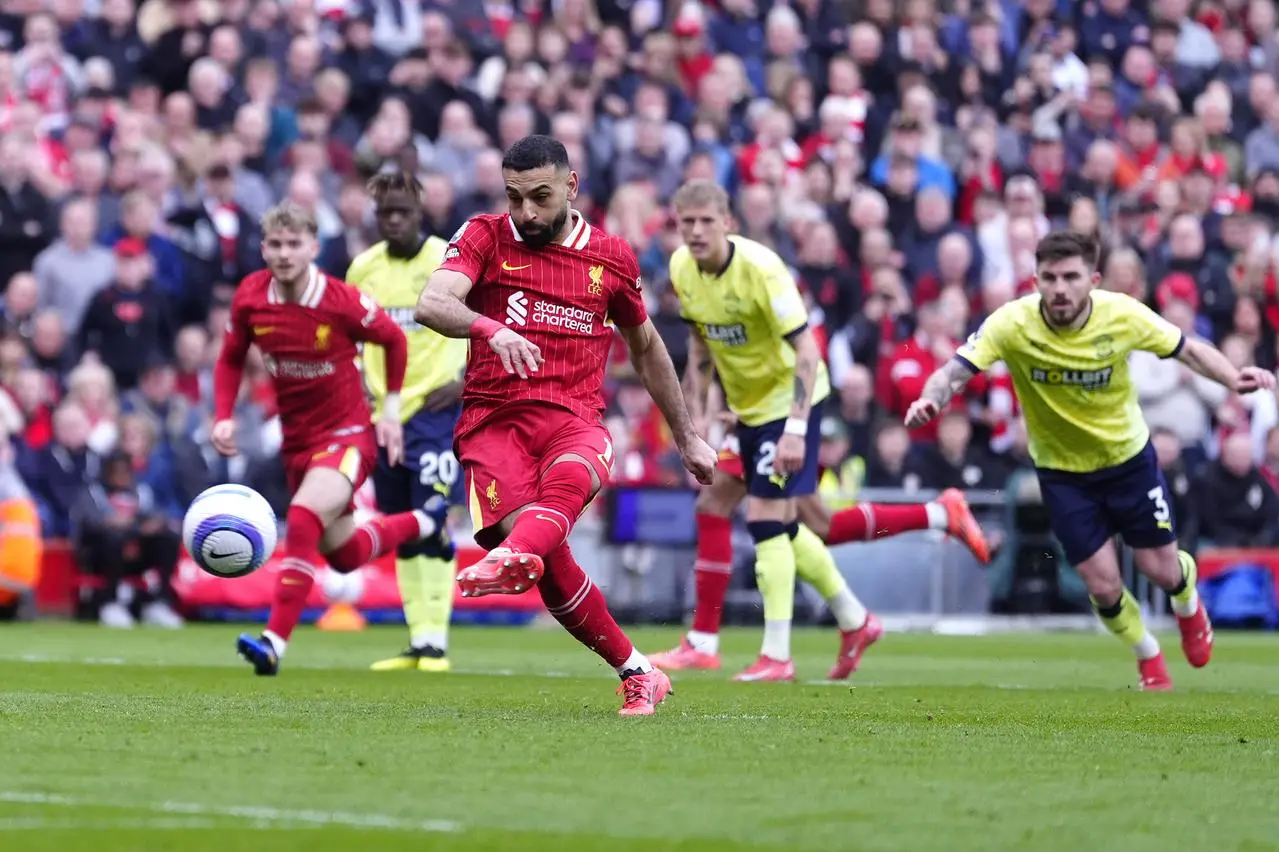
(795, 426)
(391, 406)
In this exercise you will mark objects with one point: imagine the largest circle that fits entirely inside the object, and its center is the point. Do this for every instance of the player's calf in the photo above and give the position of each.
(1192, 617)
(380, 536)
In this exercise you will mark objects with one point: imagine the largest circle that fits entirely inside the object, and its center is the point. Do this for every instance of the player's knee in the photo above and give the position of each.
(1100, 574)
(325, 491)
(575, 467)
(717, 503)
(765, 530)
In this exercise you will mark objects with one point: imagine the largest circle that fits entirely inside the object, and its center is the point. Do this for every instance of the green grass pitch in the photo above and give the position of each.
(164, 741)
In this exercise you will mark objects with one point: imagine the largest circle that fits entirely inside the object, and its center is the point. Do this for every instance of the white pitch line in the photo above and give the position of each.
(279, 817)
(158, 824)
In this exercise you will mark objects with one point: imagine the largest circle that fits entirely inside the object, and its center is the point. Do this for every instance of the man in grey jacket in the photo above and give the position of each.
(75, 267)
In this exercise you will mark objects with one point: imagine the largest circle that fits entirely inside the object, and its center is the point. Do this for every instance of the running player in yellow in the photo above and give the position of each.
(1067, 347)
(393, 272)
(749, 322)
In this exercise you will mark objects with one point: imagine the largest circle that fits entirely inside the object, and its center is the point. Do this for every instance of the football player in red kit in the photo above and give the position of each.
(307, 326)
(539, 291)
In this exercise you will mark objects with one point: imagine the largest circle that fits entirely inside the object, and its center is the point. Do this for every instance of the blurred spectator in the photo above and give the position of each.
(954, 462)
(20, 545)
(1245, 509)
(130, 320)
(130, 547)
(887, 465)
(1187, 501)
(1172, 396)
(59, 473)
(74, 268)
(26, 216)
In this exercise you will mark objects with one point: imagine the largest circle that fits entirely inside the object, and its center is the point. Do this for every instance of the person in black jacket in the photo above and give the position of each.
(59, 473)
(26, 216)
(129, 320)
(170, 58)
(124, 539)
(1184, 497)
(953, 462)
(1244, 508)
(114, 37)
(220, 242)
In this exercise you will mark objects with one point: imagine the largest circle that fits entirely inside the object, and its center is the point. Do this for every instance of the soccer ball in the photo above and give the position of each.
(229, 530)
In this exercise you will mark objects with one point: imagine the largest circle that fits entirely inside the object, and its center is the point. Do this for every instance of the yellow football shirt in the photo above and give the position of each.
(1079, 401)
(744, 314)
(396, 283)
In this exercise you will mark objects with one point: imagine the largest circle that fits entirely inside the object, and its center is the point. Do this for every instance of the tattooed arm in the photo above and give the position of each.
(941, 387)
(697, 375)
(807, 357)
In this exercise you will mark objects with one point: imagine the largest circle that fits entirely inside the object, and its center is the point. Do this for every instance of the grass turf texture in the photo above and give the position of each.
(164, 741)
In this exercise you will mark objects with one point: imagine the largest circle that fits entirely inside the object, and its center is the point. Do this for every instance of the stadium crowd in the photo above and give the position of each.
(903, 157)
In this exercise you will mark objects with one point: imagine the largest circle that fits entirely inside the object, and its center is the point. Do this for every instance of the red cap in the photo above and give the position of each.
(130, 247)
(687, 26)
(1180, 286)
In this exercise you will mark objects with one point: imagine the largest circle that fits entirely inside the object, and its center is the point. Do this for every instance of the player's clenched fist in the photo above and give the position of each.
(790, 455)
(223, 437)
(1254, 379)
(699, 459)
(517, 354)
(920, 413)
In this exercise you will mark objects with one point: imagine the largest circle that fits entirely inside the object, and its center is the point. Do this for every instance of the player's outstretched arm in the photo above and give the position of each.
(228, 373)
(653, 363)
(442, 308)
(442, 305)
(941, 387)
(1206, 360)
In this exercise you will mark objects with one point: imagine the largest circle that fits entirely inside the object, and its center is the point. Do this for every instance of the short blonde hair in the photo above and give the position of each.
(289, 216)
(697, 193)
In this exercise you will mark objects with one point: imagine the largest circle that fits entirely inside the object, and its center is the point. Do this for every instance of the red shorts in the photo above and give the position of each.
(506, 456)
(730, 458)
(354, 456)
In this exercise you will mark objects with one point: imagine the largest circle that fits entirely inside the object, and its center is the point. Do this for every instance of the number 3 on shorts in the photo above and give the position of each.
(1163, 515)
(438, 469)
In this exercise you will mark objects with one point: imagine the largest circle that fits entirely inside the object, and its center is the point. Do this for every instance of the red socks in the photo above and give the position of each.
(371, 540)
(713, 570)
(297, 576)
(561, 496)
(867, 521)
(579, 605)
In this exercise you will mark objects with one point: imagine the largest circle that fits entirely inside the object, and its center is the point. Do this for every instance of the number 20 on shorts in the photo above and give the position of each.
(438, 468)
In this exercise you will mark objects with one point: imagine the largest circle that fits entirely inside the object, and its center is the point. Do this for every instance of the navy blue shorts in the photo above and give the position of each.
(429, 469)
(759, 447)
(1129, 499)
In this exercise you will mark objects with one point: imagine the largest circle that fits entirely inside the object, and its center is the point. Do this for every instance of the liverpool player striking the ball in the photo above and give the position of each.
(536, 290)
(307, 326)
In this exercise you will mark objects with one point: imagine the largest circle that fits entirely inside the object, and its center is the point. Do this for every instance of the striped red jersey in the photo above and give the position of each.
(558, 297)
(310, 350)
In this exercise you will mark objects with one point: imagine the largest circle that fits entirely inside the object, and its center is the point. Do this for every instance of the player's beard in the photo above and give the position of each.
(1065, 314)
(543, 235)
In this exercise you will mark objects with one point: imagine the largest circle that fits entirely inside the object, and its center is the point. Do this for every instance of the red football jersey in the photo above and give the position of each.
(559, 297)
(309, 348)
